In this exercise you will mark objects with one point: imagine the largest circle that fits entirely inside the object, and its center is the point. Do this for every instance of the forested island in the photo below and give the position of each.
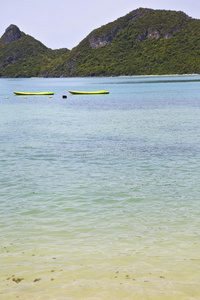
(143, 42)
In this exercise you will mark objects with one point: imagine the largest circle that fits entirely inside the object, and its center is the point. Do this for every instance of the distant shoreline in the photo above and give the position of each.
(120, 76)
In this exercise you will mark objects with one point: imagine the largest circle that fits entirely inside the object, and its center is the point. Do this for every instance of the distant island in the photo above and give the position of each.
(143, 42)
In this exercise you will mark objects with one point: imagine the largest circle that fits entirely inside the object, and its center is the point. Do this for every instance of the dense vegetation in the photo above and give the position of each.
(144, 41)
(23, 56)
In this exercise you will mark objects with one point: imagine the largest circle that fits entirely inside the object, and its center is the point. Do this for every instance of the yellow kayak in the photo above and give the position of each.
(86, 93)
(31, 94)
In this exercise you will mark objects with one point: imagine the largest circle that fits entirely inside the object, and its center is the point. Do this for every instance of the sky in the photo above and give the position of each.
(65, 23)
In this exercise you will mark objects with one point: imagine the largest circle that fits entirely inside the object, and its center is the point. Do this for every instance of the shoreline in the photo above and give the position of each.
(119, 76)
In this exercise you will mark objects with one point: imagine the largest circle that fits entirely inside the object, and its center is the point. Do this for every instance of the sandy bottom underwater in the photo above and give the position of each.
(94, 273)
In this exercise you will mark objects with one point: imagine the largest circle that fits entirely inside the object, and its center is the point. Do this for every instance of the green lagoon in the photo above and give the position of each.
(100, 194)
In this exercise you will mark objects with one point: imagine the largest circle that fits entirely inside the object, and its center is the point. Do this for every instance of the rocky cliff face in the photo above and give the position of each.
(104, 39)
(11, 34)
(107, 38)
(106, 34)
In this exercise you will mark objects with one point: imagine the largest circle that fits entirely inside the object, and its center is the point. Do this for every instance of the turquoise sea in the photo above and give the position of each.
(100, 194)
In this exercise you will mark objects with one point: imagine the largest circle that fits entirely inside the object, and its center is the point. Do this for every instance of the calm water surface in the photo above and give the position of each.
(99, 194)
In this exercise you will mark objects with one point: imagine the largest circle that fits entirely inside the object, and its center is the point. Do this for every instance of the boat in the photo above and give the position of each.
(88, 93)
(31, 94)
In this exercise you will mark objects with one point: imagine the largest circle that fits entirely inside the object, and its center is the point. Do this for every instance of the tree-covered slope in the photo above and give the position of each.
(144, 41)
(23, 56)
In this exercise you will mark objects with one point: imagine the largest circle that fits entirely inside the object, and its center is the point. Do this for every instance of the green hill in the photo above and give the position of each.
(145, 41)
(23, 56)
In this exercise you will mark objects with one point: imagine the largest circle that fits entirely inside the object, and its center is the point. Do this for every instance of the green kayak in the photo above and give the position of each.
(86, 93)
(31, 94)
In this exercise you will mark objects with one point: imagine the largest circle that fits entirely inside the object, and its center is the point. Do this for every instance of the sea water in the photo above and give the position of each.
(100, 194)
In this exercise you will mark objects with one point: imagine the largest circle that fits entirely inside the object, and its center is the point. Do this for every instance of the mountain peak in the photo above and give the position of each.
(11, 34)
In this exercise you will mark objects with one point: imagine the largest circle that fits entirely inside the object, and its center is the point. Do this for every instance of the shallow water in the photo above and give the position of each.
(99, 194)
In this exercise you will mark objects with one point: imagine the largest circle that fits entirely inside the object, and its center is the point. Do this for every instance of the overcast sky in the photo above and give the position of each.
(64, 23)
